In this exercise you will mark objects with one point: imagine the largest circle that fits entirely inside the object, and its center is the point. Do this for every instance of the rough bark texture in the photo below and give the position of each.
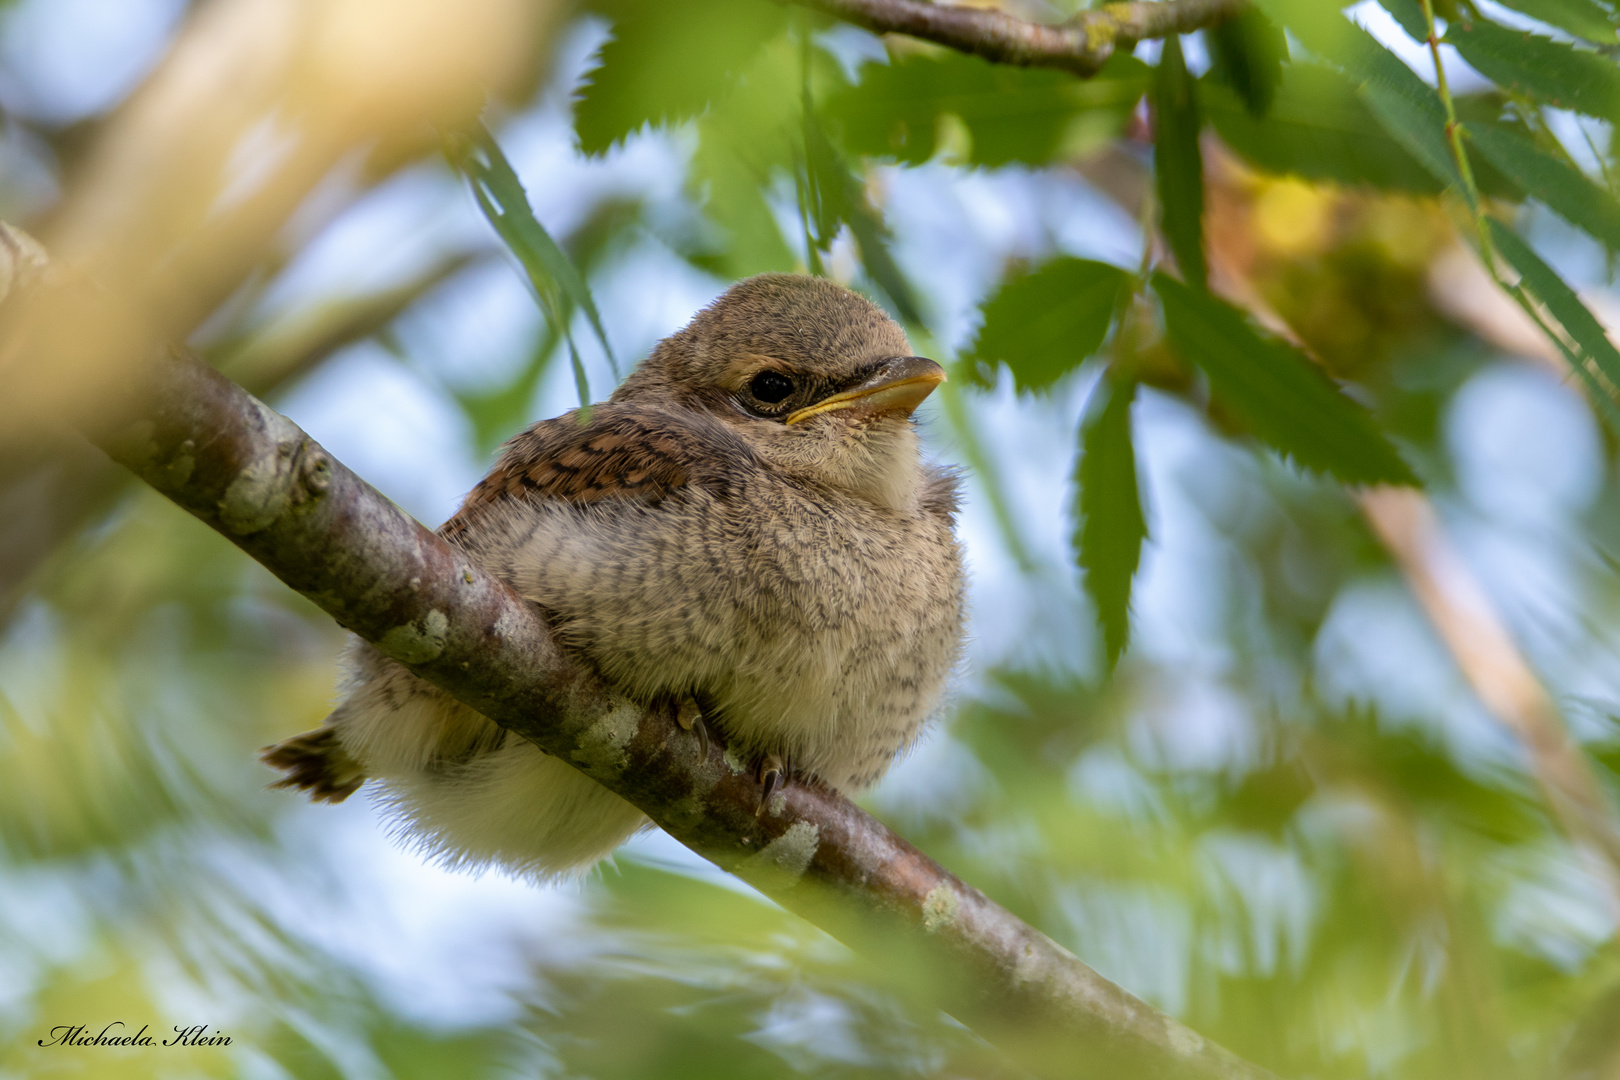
(254, 476)
(1081, 45)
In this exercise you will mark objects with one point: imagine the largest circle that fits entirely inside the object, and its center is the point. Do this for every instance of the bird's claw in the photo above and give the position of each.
(689, 715)
(772, 775)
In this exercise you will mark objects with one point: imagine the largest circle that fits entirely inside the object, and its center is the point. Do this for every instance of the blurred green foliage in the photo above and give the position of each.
(1329, 886)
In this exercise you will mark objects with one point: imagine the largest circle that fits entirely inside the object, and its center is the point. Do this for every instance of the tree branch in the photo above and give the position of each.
(1081, 45)
(255, 477)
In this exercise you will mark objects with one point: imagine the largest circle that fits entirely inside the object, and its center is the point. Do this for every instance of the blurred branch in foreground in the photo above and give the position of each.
(1080, 45)
(48, 495)
(259, 480)
(192, 180)
(1485, 652)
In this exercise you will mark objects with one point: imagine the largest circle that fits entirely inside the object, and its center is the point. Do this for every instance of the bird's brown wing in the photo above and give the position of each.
(621, 452)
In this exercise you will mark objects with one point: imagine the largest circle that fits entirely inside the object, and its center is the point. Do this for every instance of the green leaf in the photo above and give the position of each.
(1563, 187)
(496, 176)
(1319, 129)
(1318, 26)
(748, 137)
(1418, 128)
(1010, 113)
(749, 241)
(1178, 164)
(1593, 355)
(835, 194)
(1407, 107)
(555, 281)
(667, 61)
(1539, 67)
(1111, 528)
(1409, 13)
(1247, 54)
(1335, 38)
(1044, 324)
(1285, 399)
(825, 193)
(1583, 18)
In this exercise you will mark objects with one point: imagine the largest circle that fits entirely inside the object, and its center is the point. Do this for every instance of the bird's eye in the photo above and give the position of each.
(770, 387)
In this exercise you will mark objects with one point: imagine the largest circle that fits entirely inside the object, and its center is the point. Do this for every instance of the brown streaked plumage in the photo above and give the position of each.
(746, 525)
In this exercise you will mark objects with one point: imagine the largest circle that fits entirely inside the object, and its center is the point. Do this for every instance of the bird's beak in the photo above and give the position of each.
(896, 388)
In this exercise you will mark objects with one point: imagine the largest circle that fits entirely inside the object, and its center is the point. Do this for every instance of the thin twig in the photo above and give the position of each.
(1081, 45)
(1454, 134)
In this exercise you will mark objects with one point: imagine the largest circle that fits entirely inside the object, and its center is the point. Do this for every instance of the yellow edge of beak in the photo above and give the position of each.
(898, 397)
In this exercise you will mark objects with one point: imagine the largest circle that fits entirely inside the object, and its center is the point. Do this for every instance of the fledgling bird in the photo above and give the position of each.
(745, 532)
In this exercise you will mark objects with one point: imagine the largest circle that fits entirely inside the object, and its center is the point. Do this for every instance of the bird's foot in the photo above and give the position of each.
(772, 775)
(689, 715)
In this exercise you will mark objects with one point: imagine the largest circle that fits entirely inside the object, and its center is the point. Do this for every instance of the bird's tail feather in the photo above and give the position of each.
(317, 763)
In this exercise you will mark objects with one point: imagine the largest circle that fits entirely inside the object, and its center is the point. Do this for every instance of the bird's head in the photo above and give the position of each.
(819, 380)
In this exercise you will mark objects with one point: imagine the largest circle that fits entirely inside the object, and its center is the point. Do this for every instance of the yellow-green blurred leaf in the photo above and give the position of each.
(666, 62)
